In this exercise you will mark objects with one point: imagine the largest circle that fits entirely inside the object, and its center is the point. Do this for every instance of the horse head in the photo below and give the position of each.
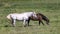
(44, 18)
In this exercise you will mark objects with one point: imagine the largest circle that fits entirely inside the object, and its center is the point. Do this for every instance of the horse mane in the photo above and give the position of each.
(41, 14)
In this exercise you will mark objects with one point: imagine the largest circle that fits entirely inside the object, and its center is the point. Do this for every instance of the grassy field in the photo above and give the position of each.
(50, 8)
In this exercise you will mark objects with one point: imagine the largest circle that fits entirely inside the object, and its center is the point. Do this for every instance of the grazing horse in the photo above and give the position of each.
(23, 16)
(39, 18)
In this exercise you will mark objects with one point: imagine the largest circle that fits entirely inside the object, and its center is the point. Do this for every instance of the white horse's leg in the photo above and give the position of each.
(24, 23)
(14, 21)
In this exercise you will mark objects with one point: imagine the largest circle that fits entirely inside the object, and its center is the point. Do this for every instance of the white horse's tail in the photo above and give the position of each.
(8, 17)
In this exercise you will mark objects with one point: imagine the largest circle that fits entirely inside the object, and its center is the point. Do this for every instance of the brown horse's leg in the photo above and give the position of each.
(28, 21)
(12, 21)
(41, 22)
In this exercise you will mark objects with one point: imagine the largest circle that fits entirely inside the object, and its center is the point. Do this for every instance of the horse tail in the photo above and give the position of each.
(8, 17)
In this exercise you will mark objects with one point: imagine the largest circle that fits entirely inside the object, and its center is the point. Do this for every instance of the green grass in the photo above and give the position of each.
(50, 8)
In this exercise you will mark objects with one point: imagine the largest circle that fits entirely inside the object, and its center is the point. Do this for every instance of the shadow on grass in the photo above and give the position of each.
(15, 26)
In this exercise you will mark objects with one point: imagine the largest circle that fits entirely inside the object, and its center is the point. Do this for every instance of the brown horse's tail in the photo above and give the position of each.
(44, 18)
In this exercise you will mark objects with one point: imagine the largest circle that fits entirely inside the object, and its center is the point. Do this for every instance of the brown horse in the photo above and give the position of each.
(39, 18)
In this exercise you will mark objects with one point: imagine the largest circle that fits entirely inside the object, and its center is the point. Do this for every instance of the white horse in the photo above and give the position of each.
(23, 16)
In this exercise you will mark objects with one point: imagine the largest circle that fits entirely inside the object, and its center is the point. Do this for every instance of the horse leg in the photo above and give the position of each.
(13, 22)
(24, 23)
(28, 21)
(41, 22)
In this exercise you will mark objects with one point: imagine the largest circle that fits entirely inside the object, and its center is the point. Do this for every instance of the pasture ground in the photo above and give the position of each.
(50, 8)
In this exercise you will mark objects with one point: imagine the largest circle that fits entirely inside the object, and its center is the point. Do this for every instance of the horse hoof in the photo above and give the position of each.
(39, 24)
(24, 25)
(13, 26)
(47, 24)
